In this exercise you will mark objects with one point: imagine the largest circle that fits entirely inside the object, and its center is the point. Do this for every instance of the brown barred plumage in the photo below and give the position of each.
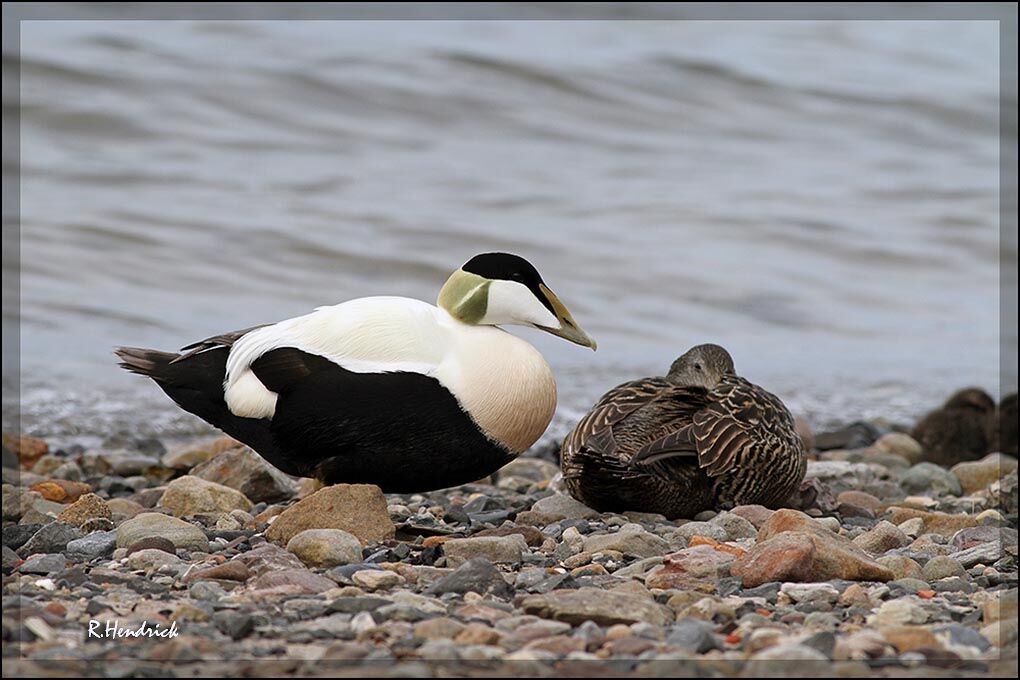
(652, 445)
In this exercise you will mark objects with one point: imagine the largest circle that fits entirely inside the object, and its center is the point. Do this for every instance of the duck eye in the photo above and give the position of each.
(697, 367)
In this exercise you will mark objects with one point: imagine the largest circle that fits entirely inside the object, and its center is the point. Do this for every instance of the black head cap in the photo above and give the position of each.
(508, 267)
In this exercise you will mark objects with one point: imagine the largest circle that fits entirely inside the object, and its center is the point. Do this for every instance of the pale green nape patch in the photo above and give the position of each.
(465, 296)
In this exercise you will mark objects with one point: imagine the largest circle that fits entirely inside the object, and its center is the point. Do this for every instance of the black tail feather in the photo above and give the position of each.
(147, 362)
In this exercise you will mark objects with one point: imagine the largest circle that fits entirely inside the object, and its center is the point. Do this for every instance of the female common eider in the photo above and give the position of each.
(962, 429)
(383, 390)
(700, 438)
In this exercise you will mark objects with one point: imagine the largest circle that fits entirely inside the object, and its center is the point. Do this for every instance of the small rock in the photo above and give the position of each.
(233, 570)
(96, 544)
(900, 444)
(151, 524)
(777, 556)
(51, 538)
(89, 506)
(325, 547)
(299, 579)
(235, 625)
(755, 514)
(477, 575)
(901, 566)
(376, 579)
(810, 592)
(505, 549)
(940, 567)
(900, 612)
(698, 568)
(151, 558)
(359, 509)
(689, 530)
(929, 477)
(735, 526)
(592, 604)
(631, 539)
(440, 627)
(189, 496)
(693, 636)
(249, 473)
(565, 506)
(940, 523)
(43, 564)
(861, 500)
(980, 474)
(882, 538)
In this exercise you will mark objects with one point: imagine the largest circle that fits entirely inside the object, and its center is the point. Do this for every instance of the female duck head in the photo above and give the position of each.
(494, 289)
(702, 366)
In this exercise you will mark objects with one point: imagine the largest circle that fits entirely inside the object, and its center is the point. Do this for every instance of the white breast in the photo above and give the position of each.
(500, 380)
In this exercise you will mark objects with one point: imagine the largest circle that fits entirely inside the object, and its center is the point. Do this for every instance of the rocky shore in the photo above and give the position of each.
(885, 564)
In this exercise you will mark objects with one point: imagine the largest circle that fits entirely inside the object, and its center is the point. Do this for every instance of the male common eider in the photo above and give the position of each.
(383, 390)
(700, 438)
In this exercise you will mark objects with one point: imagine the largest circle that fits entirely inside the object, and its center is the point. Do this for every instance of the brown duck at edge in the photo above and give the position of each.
(699, 438)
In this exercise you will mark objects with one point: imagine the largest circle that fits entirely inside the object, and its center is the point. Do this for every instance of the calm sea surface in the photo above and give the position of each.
(819, 197)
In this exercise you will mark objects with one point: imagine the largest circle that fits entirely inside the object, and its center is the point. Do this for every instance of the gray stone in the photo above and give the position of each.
(631, 539)
(151, 524)
(478, 575)
(248, 472)
(559, 504)
(735, 526)
(930, 478)
(51, 538)
(505, 549)
(693, 635)
(882, 538)
(689, 530)
(941, 566)
(96, 544)
(43, 564)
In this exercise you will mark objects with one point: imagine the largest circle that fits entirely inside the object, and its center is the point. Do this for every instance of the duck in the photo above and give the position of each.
(1004, 436)
(383, 390)
(961, 429)
(699, 438)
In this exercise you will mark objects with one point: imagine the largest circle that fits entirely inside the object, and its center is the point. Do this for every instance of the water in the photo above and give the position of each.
(819, 197)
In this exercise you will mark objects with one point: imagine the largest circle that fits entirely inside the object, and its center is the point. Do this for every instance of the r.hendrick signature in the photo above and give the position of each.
(113, 629)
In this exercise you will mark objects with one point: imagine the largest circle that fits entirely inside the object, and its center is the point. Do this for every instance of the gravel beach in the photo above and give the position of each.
(885, 564)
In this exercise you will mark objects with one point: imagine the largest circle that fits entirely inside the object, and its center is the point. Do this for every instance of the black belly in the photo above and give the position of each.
(404, 432)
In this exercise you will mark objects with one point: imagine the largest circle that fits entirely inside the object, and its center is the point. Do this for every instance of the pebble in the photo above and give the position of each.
(88, 506)
(155, 525)
(359, 509)
(43, 564)
(189, 496)
(374, 579)
(325, 548)
(631, 539)
(477, 575)
(930, 478)
(498, 549)
(564, 506)
(51, 538)
(941, 566)
(602, 607)
(978, 475)
(242, 469)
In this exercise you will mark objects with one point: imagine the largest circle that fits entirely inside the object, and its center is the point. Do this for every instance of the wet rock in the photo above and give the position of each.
(151, 524)
(51, 538)
(977, 475)
(477, 575)
(325, 547)
(563, 506)
(631, 539)
(788, 558)
(500, 549)
(359, 509)
(591, 604)
(930, 478)
(247, 472)
(697, 568)
(189, 496)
